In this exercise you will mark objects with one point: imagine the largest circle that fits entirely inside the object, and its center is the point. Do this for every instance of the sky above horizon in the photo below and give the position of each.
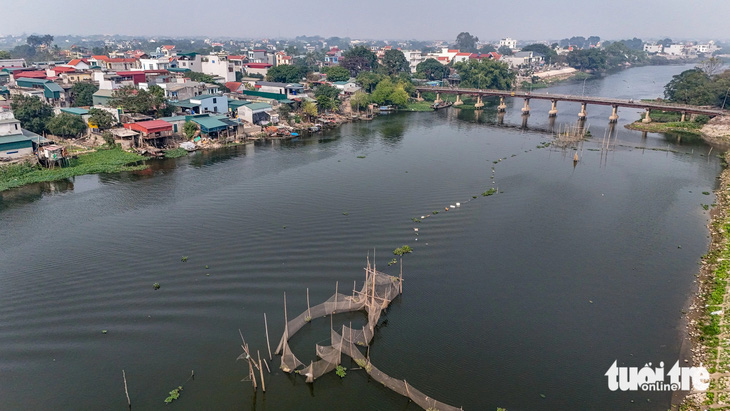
(374, 19)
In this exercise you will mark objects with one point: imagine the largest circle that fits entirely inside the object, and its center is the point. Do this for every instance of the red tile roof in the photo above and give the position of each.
(64, 69)
(233, 85)
(168, 47)
(77, 61)
(102, 58)
(463, 54)
(122, 60)
(152, 126)
(236, 57)
(30, 74)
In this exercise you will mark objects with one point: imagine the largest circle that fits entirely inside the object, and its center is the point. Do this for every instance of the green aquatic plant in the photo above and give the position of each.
(156, 286)
(360, 156)
(340, 371)
(184, 259)
(416, 220)
(174, 394)
(489, 192)
(391, 262)
(403, 250)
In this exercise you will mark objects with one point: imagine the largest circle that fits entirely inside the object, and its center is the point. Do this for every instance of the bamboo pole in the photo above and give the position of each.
(126, 391)
(401, 275)
(261, 370)
(337, 286)
(286, 321)
(268, 344)
(267, 367)
(309, 312)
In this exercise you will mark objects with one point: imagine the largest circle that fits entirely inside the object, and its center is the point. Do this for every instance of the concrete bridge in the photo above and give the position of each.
(583, 100)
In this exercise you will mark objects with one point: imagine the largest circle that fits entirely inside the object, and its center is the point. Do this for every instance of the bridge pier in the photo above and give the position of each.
(479, 103)
(524, 120)
(647, 119)
(582, 114)
(458, 101)
(554, 109)
(684, 117)
(614, 114)
(502, 107)
(438, 98)
(418, 96)
(526, 107)
(500, 118)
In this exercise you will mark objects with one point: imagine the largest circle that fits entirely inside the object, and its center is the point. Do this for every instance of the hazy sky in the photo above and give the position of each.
(373, 19)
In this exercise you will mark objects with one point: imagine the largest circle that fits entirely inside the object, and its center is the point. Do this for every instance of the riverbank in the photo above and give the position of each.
(709, 315)
(685, 127)
(102, 160)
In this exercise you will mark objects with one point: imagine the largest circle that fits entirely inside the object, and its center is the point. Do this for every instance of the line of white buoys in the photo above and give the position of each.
(415, 229)
(458, 204)
(452, 206)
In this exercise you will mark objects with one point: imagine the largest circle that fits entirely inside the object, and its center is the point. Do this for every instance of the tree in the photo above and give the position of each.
(505, 51)
(310, 109)
(368, 80)
(590, 59)
(711, 66)
(485, 73)
(286, 74)
(382, 92)
(337, 73)
(326, 103)
(149, 102)
(101, 118)
(394, 62)
(399, 96)
(4, 54)
(284, 111)
(326, 90)
(23, 51)
(189, 129)
(487, 48)
(359, 99)
(66, 125)
(665, 42)
(36, 41)
(466, 43)
(432, 69)
(82, 94)
(359, 58)
(32, 112)
(691, 87)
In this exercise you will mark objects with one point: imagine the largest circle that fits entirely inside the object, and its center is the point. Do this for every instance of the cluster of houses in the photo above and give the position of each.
(681, 50)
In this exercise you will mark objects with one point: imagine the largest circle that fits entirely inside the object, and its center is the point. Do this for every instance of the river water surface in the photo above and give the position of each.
(520, 300)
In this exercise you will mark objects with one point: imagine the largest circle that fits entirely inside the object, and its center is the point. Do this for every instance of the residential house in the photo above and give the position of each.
(444, 56)
(79, 64)
(210, 125)
(234, 87)
(204, 103)
(653, 48)
(189, 61)
(523, 59)
(12, 63)
(14, 141)
(461, 57)
(178, 91)
(282, 59)
(675, 50)
(288, 89)
(161, 63)
(258, 56)
(46, 89)
(217, 66)
(508, 42)
(257, 68)
(255, 113)
(332, 58)
(115, 64)
(177, 123)
(347, 87)
(492, 55)
(233, 106)
(168, 50)
(414, 58)
(238, 61)
(102, 97)
(153, 132)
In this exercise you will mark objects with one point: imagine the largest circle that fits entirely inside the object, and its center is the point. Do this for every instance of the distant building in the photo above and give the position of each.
(653, 48)
(508, 42)
(675, 50)
(14, 141)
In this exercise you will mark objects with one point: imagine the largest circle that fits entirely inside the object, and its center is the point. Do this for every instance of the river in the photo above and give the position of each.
(520, 300)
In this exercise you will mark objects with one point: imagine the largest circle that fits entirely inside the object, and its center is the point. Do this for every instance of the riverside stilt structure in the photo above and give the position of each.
(553, 109)
(614, 114)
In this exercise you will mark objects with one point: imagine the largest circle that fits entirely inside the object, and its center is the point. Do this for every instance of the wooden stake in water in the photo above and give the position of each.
(309, 312)
(261, 370)
(268, 344)
(126, 391)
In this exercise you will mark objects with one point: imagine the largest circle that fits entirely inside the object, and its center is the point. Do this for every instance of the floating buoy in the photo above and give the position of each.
(452, 206)
(458, 204)
(415, 229)
(575, 158)
(446, 208)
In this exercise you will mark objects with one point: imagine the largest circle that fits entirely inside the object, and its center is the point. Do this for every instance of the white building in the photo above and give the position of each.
(211, 103)
(674, 50)
(653, 48)
(218, 66)
(414, 58)
(508, 42)
(162, 63)
(13, 142)
(255, 113)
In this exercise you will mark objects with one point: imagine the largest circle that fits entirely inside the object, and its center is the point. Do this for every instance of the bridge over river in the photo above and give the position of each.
(583, 100)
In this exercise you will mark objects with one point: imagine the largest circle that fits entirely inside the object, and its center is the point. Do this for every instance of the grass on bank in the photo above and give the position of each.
(176, 152)
(418, 106)
(112, 160)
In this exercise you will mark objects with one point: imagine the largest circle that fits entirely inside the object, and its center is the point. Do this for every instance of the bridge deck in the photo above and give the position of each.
(709, 111)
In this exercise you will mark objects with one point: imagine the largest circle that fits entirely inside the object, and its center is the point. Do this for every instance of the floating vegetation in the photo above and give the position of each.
(364, 364)
(340, 371)
(175, 153)
(345, 213)
(174, 394)
(284, 227)
(434, 212)
(473, 196)
(184, 259)
(494, 162)
(103, 331)
(705, 206)
(489, 192)
(706, 193)
(360, 156)
(416, 220)
(156, 286)
(402, 250)
(391, 262)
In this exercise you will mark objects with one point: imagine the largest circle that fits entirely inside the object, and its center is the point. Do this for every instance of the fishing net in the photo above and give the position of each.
(374, 297)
